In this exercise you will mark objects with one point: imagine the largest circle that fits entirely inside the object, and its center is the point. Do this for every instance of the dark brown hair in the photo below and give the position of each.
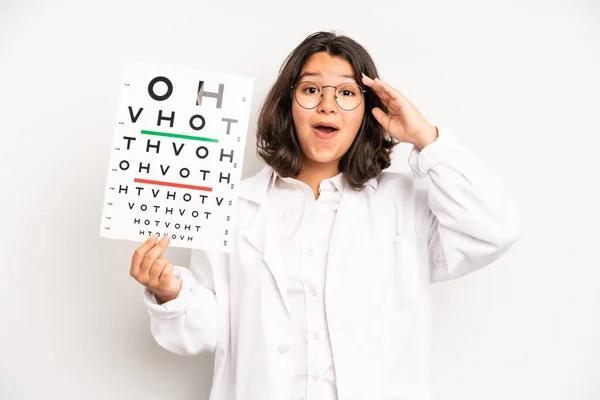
(276, 139)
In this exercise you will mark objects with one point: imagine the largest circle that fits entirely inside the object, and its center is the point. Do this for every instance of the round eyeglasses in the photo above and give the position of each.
(309, 95)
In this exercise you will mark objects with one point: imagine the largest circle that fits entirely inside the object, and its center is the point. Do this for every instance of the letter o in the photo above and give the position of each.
(194, 117)
(205, 152)
(154, 82)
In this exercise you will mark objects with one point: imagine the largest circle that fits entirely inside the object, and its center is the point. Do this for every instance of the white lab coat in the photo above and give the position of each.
(390, 241)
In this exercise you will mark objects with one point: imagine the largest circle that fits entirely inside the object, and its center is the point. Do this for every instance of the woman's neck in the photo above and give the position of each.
(314, 173)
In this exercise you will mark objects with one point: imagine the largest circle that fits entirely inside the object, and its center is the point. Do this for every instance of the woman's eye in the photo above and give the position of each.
(312, 90)
(347, 92)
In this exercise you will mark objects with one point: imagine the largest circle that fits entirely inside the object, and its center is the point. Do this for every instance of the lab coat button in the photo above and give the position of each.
(284, 348)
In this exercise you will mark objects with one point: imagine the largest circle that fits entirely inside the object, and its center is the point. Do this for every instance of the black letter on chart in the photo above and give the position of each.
(147, 167)
(202, 122)
(223, 177)
(177, 150)
(129, 139)
(223, 155)
(149, 146)
(171, 119)
(204, 150)
(134, 118)
(154, 82)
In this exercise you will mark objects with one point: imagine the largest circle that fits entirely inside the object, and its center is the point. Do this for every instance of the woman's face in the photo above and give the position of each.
(326, 132)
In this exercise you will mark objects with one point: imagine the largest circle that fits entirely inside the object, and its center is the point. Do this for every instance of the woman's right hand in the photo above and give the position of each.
(155, 272)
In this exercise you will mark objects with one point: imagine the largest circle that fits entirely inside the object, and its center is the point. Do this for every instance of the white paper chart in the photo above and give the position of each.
(176, 158)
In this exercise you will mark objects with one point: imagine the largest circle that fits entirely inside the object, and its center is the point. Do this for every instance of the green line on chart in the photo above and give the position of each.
(178, 136)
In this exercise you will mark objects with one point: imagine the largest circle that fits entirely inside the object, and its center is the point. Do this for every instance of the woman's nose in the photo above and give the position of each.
(328, 102)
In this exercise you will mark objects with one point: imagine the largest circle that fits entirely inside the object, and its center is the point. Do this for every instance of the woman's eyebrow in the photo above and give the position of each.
(305, 74)
(312, 74)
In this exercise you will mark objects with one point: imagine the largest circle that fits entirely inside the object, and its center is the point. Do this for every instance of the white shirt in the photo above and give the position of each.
(303, 233)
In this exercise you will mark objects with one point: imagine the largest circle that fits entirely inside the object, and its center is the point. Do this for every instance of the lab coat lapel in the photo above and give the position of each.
(262, 228)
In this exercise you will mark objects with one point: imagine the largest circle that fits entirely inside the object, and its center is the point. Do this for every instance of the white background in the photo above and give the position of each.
(518, 83)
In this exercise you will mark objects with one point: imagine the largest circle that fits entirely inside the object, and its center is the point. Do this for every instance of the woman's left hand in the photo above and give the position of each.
(405, 122)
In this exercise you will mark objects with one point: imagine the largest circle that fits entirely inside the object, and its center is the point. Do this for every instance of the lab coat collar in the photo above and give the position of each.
(257, 188)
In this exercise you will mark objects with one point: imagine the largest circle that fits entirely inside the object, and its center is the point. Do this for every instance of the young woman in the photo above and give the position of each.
(325, 293)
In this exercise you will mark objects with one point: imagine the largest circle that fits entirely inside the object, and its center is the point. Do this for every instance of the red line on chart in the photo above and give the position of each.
(178, 185)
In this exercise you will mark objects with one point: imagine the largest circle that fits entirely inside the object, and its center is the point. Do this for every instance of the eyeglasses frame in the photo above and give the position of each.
(294, 87)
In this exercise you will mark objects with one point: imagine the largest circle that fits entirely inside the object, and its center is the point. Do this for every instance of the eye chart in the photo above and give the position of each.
(176, 157)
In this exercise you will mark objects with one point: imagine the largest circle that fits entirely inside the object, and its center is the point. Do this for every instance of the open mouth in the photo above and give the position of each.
(325, 131)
